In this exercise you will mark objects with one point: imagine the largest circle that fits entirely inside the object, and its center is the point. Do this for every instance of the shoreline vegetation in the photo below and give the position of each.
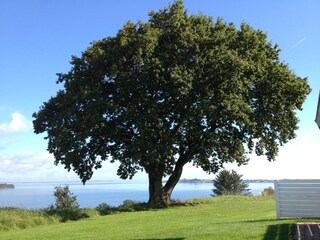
(6, 186)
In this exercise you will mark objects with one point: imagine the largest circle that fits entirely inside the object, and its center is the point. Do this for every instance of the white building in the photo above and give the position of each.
(318, 113)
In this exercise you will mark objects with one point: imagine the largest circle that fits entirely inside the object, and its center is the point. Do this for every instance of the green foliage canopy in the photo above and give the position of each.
(178, 88)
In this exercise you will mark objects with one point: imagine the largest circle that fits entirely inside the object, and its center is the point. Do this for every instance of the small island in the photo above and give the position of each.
(6, 186)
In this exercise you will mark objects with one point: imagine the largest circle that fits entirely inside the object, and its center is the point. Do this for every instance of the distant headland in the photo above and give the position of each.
(6, 185)
(195, 180)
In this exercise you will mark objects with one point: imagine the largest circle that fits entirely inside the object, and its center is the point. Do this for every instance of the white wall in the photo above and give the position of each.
(298, 198)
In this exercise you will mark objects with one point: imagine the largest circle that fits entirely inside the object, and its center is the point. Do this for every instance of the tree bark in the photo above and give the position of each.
(173, 180)
(155, 175)
(160, 195)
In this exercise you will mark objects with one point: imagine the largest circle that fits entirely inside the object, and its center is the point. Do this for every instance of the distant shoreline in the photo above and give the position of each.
(196, 180)
(6, 186)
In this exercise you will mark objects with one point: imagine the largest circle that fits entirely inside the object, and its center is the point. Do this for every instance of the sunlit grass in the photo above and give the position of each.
(15, 218)
(212, 218)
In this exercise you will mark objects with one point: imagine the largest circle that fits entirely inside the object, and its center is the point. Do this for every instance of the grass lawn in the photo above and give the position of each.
(216, 218)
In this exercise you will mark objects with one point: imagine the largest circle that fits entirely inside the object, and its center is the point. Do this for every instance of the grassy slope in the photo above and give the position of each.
(220, 218)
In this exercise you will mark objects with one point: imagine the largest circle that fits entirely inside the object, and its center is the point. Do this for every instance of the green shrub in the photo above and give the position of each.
(64, 198)
(130, 205)
(230, 183)
(91, 212)
(66, 206)
(127, 206)
(104, 209)
(66, 214)
(269, 191)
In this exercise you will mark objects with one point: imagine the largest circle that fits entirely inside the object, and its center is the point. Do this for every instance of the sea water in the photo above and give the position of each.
(40, 195)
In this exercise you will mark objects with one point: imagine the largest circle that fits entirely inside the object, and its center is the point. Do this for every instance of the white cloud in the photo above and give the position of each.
(39, 166)
(298, 159)
(31, 166)
(25, 162)
(18, 123)
(190, 172)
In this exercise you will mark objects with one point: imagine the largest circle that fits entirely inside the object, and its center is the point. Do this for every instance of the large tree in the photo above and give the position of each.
(176, 89)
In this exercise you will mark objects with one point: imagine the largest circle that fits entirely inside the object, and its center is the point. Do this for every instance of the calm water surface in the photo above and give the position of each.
(40, 195)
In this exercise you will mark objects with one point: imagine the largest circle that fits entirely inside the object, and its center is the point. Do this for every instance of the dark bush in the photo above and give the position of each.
(66, 214)
(269, 191)
(230, 183)
(128, 205)
(104, 209)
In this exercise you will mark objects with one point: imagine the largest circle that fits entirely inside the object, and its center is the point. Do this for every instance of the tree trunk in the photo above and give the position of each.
(172, 181)
(159, 195)
(155, 189)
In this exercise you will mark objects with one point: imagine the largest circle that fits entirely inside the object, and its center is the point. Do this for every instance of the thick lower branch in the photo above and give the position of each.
(174, 178)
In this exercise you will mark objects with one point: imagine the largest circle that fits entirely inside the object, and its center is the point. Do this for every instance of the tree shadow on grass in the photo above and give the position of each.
(279, 232)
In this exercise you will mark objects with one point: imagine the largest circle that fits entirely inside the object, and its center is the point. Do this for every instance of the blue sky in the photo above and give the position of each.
(37, 39)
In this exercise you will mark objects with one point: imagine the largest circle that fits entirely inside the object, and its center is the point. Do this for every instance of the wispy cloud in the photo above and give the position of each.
(299, 42)
(25, 162)
(18, 123)
(39, 166)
